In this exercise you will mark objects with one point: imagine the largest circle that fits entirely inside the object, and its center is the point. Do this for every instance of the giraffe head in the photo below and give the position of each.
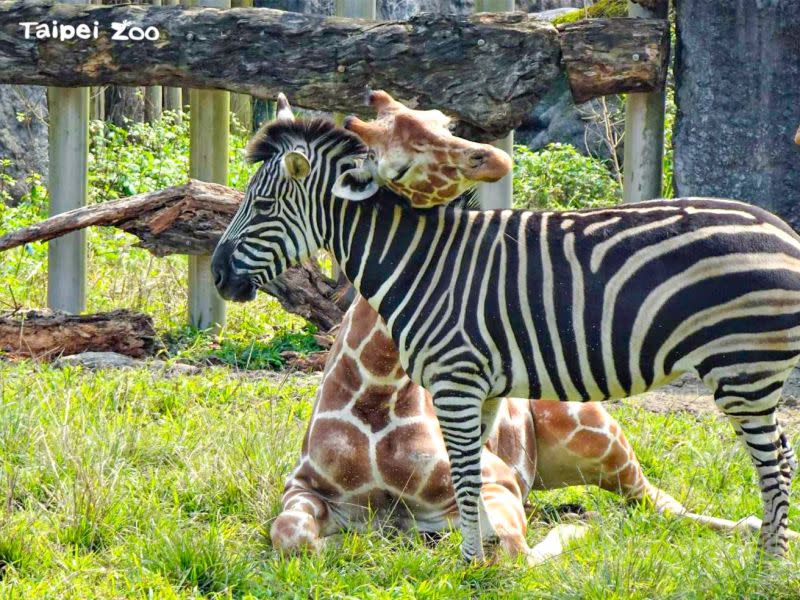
(416, 156)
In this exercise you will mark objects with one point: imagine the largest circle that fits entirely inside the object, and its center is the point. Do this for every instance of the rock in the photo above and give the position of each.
(557, 118)
(738, 97)
(23, 135)
(112, 360)
(97, 360)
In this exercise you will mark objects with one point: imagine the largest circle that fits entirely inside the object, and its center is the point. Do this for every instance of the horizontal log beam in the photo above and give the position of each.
(612, 56)
(487, 70)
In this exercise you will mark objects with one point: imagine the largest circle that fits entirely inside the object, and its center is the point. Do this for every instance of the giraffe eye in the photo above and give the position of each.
(402, 172)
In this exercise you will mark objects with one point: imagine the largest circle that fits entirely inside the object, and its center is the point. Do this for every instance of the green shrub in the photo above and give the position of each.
(559, 177)
(602, 9)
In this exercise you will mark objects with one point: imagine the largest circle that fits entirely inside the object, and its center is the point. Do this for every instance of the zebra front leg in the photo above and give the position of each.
(460, 422)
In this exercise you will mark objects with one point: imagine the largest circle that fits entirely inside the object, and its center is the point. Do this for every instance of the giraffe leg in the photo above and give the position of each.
(751, 404)
(303, 522)
(489, 412)
(459, 416)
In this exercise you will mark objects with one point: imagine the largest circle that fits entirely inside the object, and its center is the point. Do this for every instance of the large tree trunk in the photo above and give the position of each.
(190, 219)
(487, 70)
(48, 335)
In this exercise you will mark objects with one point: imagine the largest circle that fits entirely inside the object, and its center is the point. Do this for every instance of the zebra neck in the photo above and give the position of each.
(377, 244)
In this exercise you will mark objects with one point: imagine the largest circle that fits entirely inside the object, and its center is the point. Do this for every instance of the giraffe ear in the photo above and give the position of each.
(356, 184)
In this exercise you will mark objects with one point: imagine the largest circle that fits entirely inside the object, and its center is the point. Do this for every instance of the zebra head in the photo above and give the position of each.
(281, 220)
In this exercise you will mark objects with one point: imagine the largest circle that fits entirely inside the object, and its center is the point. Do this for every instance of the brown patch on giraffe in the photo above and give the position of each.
(379, 356)
(588, 443)
(312, 479)
(618, 456)
(404, 456)
(373, 406)
(362, 322)
(340, 384)
(438, 488)
(341, 450)
(406, 404)
(592, 415)
(556, 422)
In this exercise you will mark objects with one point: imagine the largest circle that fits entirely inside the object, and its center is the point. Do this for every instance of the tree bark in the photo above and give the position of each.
(51, 334)
(487, 70)
(615, 55)
(190, 219)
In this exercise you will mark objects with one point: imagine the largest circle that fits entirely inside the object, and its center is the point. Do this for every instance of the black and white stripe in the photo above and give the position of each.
(583, 305)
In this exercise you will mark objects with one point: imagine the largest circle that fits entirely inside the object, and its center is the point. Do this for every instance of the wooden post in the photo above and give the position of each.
(208, 161)
(68, 188)
(153, 101)
(501, 193)
(644, 131)
(242, 104)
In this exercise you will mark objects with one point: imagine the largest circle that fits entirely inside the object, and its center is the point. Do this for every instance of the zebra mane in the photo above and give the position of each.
(278, 136)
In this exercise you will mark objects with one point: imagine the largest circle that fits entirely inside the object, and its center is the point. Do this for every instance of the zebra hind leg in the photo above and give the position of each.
(460, 421)
(751, 406)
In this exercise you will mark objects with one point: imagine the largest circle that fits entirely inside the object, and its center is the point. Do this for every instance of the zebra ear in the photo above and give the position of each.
(296, 165)
(356, 184)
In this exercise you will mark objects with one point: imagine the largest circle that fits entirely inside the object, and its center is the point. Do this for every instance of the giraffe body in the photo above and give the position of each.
(373, 453)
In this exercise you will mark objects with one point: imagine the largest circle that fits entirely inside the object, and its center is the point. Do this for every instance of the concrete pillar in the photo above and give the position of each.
(500, 193)
(173, 97)
(644, 133)
(242, 104)
(208, 161)
(68, 188)
(153, 101)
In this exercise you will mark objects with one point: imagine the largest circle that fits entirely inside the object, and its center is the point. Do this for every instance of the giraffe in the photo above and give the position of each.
(373, 451)
(373, 454)
(417, 157)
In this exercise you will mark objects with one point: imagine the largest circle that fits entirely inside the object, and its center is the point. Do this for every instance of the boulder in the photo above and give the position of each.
(23, 136)
(738, 98)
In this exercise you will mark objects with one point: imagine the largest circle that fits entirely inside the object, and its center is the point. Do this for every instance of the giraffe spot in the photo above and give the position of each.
(552, 421)
(449, 172)
(438, 489)
(310, 478)
(405, 455)
(618, 456)
(625, 479)
(341, 451)
(340, 384)
(407, 402)
(379, 355)
(363, 319)
(592, 414)
(373, 405)
(436, 181)
(426, 187)
(449, 192)
(589, 444)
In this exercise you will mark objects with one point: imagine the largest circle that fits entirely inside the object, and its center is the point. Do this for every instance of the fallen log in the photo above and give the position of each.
(613, 55)
(190, 219)
(184, 219)
(487, 70)
(51, 334)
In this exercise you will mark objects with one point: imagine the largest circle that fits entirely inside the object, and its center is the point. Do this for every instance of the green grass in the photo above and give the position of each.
(125, 484)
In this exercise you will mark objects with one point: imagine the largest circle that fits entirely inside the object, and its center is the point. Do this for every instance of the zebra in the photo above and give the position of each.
(579, 305)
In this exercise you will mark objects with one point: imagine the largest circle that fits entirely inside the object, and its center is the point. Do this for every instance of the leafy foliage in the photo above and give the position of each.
(602, 9)
(559, 177)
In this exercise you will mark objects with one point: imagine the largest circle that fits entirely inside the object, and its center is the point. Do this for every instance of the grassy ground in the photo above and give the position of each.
(130, 484)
